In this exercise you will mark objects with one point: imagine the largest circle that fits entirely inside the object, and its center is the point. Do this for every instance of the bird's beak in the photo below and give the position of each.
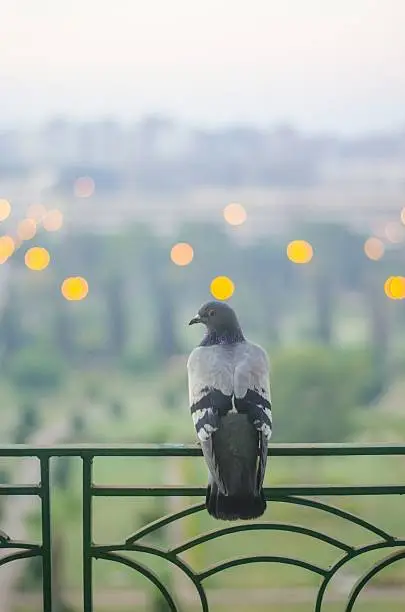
(195, 320)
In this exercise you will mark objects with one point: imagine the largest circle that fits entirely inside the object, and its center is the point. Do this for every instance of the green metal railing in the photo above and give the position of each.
(302, 495)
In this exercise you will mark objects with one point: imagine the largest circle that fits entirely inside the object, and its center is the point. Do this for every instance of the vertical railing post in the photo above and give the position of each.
(87, 534)
(46, 534)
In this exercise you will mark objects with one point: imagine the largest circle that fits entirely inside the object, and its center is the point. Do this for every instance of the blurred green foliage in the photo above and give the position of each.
(37, 369)
(316, 391)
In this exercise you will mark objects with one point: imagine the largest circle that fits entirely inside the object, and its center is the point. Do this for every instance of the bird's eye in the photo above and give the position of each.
(211, 313)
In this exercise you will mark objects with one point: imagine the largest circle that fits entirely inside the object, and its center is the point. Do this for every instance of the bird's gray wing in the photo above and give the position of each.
(211, 459)
(252, 386)
(210, 385)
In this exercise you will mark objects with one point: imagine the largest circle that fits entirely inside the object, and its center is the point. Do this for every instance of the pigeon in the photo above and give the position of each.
(230, 404)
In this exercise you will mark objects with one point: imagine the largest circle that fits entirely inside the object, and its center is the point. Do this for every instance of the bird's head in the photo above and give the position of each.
(216, 316)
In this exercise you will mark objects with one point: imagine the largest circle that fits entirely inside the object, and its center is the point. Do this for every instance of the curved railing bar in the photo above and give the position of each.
(147, 573)
(25, 554)
(345, 559)
(289, 527)
(162, 522)
(163, 554)
(219, 567)
(362, 582)
(290, 499)
(329, 508)
(20, 545)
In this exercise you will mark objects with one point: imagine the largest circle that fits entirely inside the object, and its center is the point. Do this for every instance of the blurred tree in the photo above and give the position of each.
(59, 603)
(324, 292)
(117, 409)
(114, 291)
(64, 333)
(11, 336)
(156, 265)
(36, 369)
(315, 393)
(268, 273)
(336, 267)
(62, 472)
(78, 426)
(28, 422)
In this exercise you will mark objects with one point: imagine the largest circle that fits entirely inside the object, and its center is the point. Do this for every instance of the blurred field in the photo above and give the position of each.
(112, 368)
(145, 418)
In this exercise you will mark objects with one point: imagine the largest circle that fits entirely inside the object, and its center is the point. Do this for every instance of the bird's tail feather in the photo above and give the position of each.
(234, 507)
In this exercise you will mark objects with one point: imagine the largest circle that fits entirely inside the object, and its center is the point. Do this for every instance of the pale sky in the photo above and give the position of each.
(319, 64)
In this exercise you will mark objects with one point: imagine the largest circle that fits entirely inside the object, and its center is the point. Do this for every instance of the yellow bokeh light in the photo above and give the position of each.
(75, 288)
(84, 187)
(300, 251)
(36, 212)
(37, 258)
(235, 214)
(182, 254)
(5, 209)
(394, 287)
(222, 288)
(7, 247)
(374, 248)
(403, 216)
(53, 220)
(26, 229)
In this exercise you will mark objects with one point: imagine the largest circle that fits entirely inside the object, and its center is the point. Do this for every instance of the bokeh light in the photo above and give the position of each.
(182, 254)
(374, 248)
(5, 209)
(7, 247)
(300, 251)
(222, 288)
(84, 187)
(394, 232)
(37, 258)
(36, 212)
(394, 287)
(53, 220)
(74, 288)
(403, 216)
(235, 214)
(26, 229)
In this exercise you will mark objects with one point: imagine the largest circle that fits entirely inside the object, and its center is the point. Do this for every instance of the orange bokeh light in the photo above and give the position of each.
(374, 248)
(26, 229)
(84, 187)
(394, 232)
(7, 248)
(182, 254)
(36, 212)
(5, 209)
(53, 220)
(235, 214)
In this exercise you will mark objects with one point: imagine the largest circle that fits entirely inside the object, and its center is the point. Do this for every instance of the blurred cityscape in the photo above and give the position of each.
(160, 170)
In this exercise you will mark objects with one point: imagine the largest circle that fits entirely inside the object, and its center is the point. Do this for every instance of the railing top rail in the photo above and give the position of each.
(194, 450)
